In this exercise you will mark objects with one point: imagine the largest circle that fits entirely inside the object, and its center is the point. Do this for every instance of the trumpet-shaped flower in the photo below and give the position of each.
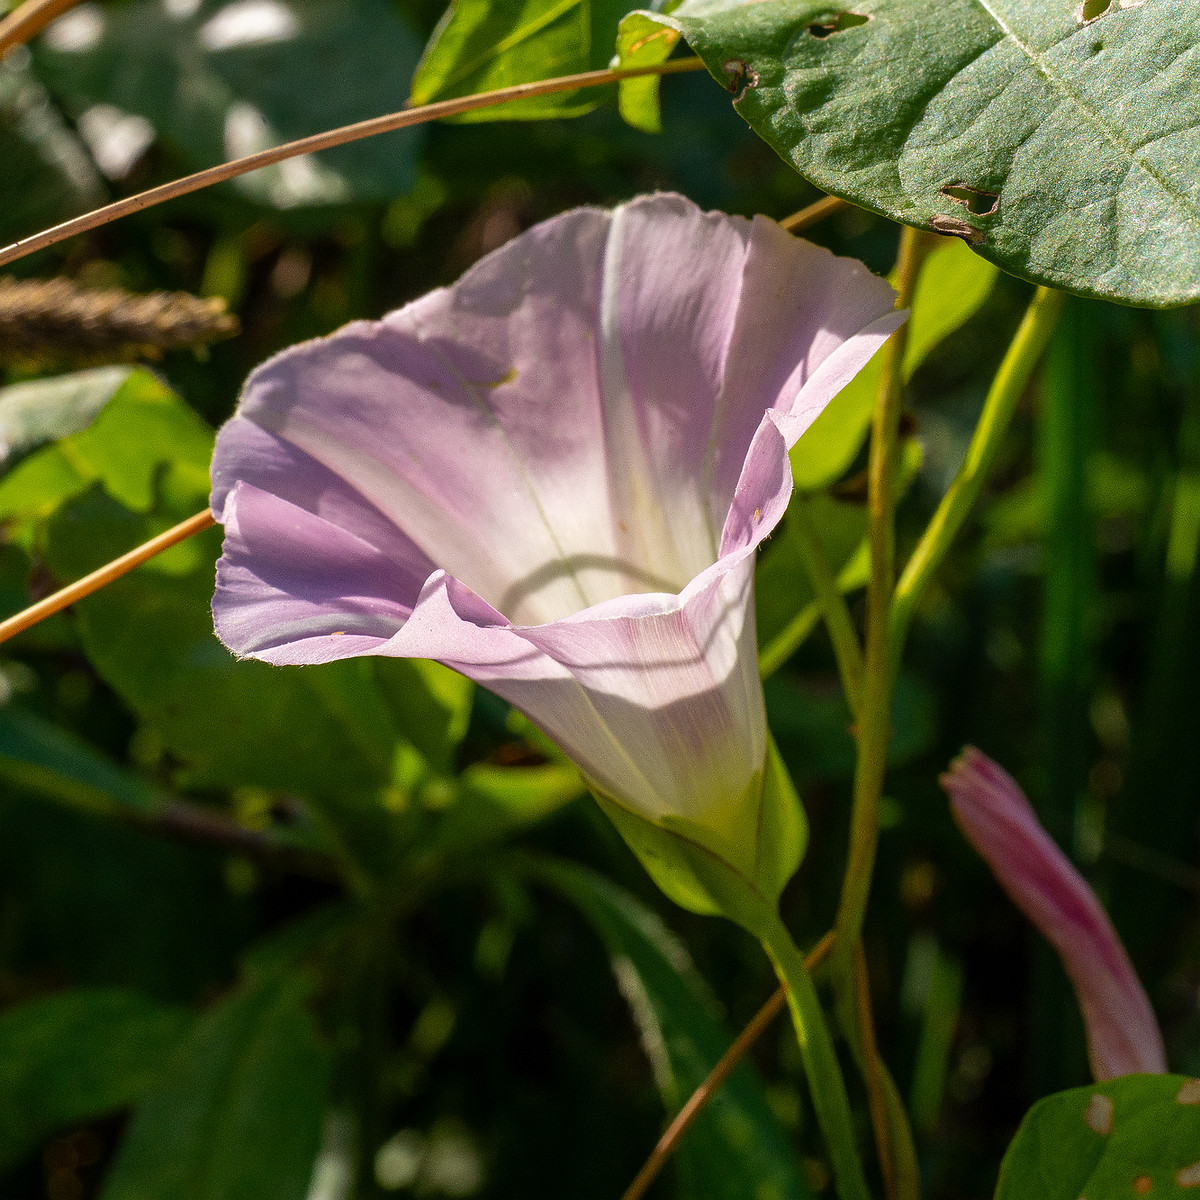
(553, 477)
(993, 813)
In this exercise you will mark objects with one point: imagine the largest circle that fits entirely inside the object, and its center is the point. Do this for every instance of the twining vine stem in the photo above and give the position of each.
(880, 1117)
(418, 115)
(873, 726)
(874, 718)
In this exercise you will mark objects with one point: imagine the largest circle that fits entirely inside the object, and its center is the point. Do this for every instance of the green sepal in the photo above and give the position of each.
(700, 871)
(782, 827)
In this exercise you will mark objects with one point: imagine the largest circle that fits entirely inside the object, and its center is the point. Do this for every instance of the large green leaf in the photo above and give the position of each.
(238, 1116)
(1064, 149)
(331, 733)
(480, 45)
(219, 79)
(140, 430)
(1134, 1136)
(736, 1147)
(79, 1055)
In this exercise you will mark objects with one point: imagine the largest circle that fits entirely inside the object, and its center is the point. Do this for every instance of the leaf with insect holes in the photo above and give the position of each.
(1060, 140)
(1134, 1136)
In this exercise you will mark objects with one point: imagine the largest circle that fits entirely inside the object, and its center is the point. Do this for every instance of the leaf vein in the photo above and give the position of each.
(1073, 97)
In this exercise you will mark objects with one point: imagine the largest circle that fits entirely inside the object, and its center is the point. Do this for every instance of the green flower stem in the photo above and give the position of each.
(825, 1081)
(893, 1135)
(874, 714)
(874, 711)
(1002, 399)
(846, 647)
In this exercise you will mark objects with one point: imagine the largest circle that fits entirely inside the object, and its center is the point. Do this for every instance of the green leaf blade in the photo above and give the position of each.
(1137, 1135)
(78, 1055)
(736, 1138)
(481, 45)
(1064, 151)
(239, 1115)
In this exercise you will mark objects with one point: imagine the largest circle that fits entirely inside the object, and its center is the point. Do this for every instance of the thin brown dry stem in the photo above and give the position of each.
(28, 20)
(325, 141)
(716, 1078)
(105, 575)
(872, 1074)
(817, 211)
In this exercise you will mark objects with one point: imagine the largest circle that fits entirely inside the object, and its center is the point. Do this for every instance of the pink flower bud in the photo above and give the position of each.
(997, 819)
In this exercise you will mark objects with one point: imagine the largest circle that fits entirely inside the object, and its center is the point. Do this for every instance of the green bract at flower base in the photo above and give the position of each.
(691, 867)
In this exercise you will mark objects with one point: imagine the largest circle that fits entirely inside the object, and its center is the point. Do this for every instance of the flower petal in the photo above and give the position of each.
(807, 322)
(416, 438)
(675, 682)
(245, 452)
(672, 286)
(525, 322)
(1123, 1036)
(293, 587)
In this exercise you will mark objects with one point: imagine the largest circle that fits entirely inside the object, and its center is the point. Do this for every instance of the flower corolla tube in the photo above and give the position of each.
(997, 819)
(553, 477)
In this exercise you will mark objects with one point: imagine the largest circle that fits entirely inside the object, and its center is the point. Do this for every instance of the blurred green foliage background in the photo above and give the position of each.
(333, 932)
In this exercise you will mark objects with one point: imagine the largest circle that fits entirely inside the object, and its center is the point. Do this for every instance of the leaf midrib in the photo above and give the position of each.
(1073, 97)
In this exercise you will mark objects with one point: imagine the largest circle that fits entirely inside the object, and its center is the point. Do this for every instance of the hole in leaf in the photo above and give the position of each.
(956, 227)
(1092, 10)
(836, 24)
(975, 200)
(742, 77)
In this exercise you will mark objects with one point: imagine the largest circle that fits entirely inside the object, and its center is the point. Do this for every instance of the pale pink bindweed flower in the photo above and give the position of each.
(553, 477)
(997, 819)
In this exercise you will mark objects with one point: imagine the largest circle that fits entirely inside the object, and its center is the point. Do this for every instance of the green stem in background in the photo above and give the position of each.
(832, 603)
(874, 715)
(788, 640)
(1002, 399)
(826, 1085)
